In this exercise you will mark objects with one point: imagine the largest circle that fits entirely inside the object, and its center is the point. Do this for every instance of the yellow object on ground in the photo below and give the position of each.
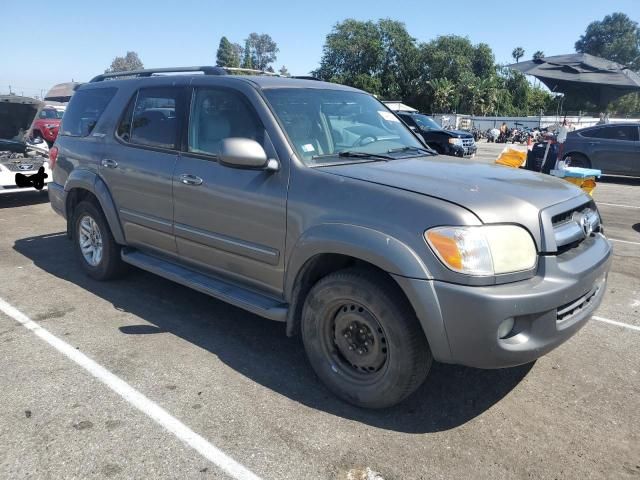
(588, 184)
(510, 157)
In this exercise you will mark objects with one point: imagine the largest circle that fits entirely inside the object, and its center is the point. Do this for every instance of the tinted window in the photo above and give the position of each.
(217, 114)
(84, 111)
(124, 127)
(614, 132)
(407, 119)
(155, 117)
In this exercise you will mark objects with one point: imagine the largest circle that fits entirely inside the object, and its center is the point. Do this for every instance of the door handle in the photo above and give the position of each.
(189, 179)
(109, 163)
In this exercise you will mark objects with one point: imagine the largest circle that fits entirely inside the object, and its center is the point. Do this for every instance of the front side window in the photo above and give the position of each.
(155, 118)
(217, 114)
(614, 132)
(84, 111)
(328, 126)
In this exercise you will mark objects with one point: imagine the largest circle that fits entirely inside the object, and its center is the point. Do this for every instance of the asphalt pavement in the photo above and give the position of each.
(169, 383)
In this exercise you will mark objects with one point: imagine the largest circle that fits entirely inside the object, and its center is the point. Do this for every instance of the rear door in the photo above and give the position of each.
(229, 221)
(615, 148)
(138, 167)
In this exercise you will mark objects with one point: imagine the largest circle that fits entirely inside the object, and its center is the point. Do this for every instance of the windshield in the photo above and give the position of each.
(51, 113)
(330, 126)
(425, 122)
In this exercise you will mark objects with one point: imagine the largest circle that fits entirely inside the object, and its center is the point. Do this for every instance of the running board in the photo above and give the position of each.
(227, 292)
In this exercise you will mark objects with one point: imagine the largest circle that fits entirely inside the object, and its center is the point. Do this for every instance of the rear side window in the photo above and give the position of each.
(153, 118)
(217, 114)
(614, 132)
(85, 110)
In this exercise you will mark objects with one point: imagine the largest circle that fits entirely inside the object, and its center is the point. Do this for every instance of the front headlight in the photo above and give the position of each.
(455, 141)
(485, 250)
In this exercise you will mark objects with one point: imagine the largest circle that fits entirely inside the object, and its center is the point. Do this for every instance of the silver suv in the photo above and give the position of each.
(311, 204)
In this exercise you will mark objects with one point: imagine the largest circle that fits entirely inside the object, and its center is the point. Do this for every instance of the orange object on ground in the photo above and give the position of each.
(510, 157)
(588, 185)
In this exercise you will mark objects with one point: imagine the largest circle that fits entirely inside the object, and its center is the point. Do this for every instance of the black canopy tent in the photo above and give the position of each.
(583, 75)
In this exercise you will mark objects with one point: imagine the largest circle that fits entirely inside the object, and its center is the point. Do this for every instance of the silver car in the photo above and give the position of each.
(612, 148)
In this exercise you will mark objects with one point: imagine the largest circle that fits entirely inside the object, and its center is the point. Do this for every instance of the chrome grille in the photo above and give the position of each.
(468, 142)
(20, 166)
(570, 228)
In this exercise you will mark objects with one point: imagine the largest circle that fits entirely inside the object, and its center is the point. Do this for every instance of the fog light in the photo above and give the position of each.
(505, 328)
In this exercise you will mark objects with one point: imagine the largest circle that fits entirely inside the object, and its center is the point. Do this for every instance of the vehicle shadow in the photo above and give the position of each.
(619, 180)
(259, 349)
(23, 199)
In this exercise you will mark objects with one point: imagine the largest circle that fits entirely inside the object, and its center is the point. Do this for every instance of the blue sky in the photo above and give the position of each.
(76, 40)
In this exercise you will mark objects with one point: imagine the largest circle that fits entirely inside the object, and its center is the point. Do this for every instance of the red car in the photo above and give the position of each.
(47, 123)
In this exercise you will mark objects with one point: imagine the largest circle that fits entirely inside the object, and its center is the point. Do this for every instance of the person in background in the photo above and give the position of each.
(562, 137)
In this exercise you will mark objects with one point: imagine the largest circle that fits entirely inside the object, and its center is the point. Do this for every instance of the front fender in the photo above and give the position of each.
(90, 181)
(372, 246)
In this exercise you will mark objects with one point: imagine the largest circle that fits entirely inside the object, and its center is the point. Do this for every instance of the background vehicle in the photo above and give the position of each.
(613, 148)
(457, 143)
(47, 123)
(18, 152)
(312, 204)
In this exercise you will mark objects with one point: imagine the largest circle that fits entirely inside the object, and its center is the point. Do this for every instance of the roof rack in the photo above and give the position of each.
(151, 71)
(250, 70)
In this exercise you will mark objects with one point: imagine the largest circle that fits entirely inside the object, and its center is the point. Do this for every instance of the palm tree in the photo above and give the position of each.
(538, 55)
(443, 89)
(517, 53)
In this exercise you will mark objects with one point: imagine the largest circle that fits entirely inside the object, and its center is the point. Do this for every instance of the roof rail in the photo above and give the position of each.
(151, 71)
(306, 77)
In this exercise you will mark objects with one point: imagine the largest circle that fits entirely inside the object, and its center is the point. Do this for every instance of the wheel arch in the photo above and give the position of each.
(325, 249)
(86, 185)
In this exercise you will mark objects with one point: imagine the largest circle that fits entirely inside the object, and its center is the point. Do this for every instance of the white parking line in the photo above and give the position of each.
(135, 398)
(624, 241)
(617, 205)
(619, 324)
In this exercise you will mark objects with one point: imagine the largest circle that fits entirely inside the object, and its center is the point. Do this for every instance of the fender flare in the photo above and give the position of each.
(90, 181)
(372, 246)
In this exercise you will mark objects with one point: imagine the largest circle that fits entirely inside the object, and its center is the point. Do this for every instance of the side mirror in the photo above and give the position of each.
(245, 153)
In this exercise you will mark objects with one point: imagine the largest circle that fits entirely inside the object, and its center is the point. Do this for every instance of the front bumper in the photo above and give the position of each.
(463, 151)
(461, 322)
(8, 177)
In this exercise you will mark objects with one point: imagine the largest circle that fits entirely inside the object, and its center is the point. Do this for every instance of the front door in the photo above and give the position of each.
(140, 164)
(616, 148)
(229, 221)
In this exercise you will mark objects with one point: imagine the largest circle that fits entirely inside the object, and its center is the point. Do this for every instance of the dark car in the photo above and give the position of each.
(612, 148)
(312, 204)
(456, 143)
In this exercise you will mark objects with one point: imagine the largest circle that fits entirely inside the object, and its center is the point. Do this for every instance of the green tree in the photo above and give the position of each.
(262, 50)
(539, 55)
(517, 53)
(284, 72)
(616, 38)
(353, 55)
(227, 55)
(128, 63)
(443, 91)
(247, 60)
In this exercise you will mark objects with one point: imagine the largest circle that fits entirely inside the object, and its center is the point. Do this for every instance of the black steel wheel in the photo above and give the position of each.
(363, 339)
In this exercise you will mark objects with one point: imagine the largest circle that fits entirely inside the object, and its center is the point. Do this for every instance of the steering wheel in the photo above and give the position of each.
(366, 140)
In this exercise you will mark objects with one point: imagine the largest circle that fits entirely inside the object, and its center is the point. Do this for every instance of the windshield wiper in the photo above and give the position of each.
(411, 149)
(356, 154)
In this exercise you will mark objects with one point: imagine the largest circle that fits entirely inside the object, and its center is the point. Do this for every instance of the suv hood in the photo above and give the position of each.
(494, 193)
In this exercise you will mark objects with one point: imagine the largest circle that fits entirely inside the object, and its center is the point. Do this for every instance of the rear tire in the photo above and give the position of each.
(578, 160)
(97, 251)
(363, 339)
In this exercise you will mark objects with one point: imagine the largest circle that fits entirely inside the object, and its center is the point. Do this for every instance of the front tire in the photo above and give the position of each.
(97, 251)
(363, 339)
(578, 160)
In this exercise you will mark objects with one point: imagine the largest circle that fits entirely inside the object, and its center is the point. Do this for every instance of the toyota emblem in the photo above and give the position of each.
(582, 219)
